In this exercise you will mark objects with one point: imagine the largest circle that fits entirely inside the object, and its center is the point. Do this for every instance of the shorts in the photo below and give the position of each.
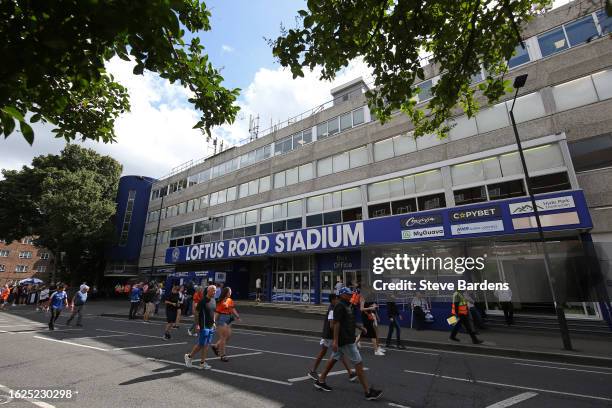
(224, 320)
(326, 343)
(206, 337)
(149, 307)
(350, 351)
(358, 318)
(170, 315)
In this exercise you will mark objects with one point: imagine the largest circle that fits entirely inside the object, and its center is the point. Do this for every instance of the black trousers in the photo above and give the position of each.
(393, 325)
(55, 313)
(465, 321)
(508, 309)
(133, 309)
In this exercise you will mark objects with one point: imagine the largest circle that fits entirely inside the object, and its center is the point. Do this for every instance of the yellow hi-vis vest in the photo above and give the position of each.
(463, 304)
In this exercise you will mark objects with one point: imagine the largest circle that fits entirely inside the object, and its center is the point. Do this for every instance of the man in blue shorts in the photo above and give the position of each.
(205, 324)
(58, 300)
(344, 345)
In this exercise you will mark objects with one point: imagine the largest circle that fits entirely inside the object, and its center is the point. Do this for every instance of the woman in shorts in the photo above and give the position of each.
(224, 315)
(369, 316)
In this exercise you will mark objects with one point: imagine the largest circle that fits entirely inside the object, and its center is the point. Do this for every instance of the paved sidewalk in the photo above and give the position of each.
(588, 349)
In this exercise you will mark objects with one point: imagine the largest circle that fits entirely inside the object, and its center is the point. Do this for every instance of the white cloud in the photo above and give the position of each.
(226, 48)
(157, 135)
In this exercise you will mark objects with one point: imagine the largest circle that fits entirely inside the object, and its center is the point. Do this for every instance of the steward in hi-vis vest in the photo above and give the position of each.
(459, 308)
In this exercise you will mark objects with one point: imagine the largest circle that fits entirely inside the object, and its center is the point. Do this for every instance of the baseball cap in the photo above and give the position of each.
(345, 291)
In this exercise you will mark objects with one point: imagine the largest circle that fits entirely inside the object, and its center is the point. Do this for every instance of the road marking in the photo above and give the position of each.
(509, 385)
(38, 403)
(304, 378)
(133, 334)
(70, 343)
(394, 350)
(100, 337)
(393, 404)
(273, 352)
(235, 355)
(252, 377)
(564, 368)
(248, 332)
(513, 400)
(150, 345)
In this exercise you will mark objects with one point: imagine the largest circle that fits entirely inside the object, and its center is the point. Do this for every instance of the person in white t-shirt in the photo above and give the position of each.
(339, 285)
(258, 289)
(505, 300)
(43, 299)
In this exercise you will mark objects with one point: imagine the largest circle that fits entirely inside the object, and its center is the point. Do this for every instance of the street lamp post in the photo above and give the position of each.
(519, 82)
(161, 208)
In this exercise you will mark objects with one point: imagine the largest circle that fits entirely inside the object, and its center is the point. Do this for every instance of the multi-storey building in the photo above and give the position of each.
(22, 259)
(299, 205)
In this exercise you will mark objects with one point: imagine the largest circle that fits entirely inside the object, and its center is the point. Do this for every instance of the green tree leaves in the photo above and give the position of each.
(391, 35)
(54, 56)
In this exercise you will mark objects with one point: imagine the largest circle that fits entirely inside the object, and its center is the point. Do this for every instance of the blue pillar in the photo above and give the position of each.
(269, 283)
(317, 281)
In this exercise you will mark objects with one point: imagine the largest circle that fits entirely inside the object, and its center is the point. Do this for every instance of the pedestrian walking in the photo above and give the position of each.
(147, 298)
(157, 298)
(135, 298)
(78, 302)
(172, 305)
(327, 337)
(198, 295)
(339, 285)
(459, 309)
(225, 314)
(369, 315)
(58, 300)
(505, 300)
(394, 316)
(258, 289)
(343, 344)
(205, 324)
(43, 299)
(180, 310)
(4, 295)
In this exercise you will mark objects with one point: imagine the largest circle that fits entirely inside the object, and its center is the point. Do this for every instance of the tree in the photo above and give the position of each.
(66, 200)
(391, 36)
(54, 54)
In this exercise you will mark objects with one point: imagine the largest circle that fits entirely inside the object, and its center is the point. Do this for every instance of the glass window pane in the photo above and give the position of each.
(495, 117)
(297, 140)
(291, 176)
(592, 153)
(279, 180)
(528, 107)
(324, 166)
(351, 197)
(383, 149)
(229, 221)
(404, 144)
(520, 56)
(239, 219)
(267, 213)
(403, 206)
(251, 217)
(396, 187)
(244, 190)
(231, 193)
(333, 217)
(510, 164)
(492, 170)
(431, 201)
(314, 204)
(204, 201)
(470, 195)
(575, 93)
(264, 184)
(409, 187)
(294, 208)
(378, 191)
(605, 21)
(379, 210)
(307, 136)
(358, 157)
(544, 157)
(280, 211)
(429, 180)
(358, 117)
(552, 42)
(346, 121)
(425, 141)
(322, 131)
(254, 187)
(603, 83)
(314, 220)
(341, 162)
(306, 172)
(425, 92)
(466, 173)
(462, 126)
(222, 197)
(328, 201)
(294, 223)
(508, 189)
(581, 31)
(332, 126)
(214, 198)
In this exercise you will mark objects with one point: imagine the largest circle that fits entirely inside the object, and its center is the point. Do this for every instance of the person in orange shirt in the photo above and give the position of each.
(224, 315)
(4, 294)
(197, 297)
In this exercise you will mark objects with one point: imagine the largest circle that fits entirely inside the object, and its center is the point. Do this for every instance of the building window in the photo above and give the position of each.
(470, 195)
(346, 121)
(44, 256)
(358, 116)
(21, 268)
(520, 57)
(605, 22)
(552, 42)
(127, 218)
(2, 268)
(41, 268)
(425, 90)
(4, 253)
(27, 241)
(592, 153)
(507, 189)
(550, 183)
(403, 206)
(379, 210)
(332, 127)
(581, 31)
(431, 202)
(25, 255)
(314, 220)
(572, 94)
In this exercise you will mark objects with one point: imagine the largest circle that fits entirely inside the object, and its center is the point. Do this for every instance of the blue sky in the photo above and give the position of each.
(242, 25)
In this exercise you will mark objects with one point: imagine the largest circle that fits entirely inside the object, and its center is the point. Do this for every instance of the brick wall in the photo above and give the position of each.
(36, 266)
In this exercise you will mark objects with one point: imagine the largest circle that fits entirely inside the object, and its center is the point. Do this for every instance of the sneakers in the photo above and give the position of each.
(382, 349)
(189, 332)
(167, 336)
(373, 394)
(205, 366)
(322, 386)
(353, 377)
(188, 361)
(314, 375)
(379, 353)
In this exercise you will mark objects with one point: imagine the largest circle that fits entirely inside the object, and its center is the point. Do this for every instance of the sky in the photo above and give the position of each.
(157, 135)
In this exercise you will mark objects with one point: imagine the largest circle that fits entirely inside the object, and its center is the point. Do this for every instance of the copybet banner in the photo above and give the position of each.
(558, 211)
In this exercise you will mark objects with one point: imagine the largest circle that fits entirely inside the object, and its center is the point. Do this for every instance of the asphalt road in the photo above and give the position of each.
(114, 362)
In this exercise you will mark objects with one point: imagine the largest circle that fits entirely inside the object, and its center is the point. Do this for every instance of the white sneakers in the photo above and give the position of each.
(205, 366)
(188, 361)
(380, 352)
